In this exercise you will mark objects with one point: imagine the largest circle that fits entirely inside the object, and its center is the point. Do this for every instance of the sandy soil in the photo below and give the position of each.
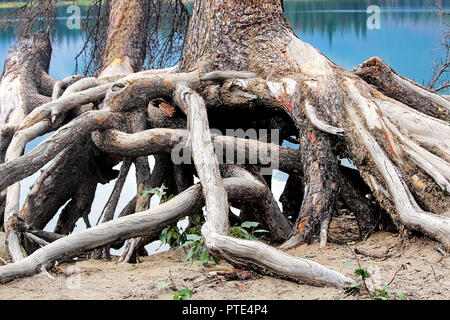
(425, 275)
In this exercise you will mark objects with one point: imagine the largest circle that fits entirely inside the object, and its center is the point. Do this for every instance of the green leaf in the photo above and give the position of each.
(185, 292)
(362, 272)
(260, 231)
(204, 257)
(190, 253)
(187, 243)
(194, 237)
(401, 295)
(169, 236)
(216, 261)
(355, 284)
(197, 254)
(249, 224)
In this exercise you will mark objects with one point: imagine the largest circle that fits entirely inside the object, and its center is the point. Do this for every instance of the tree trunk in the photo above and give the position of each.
(125, 49)
(24, 86)
(321, 98)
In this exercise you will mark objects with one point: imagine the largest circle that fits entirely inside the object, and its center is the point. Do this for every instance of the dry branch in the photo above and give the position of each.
(156, 141)
(64, 104)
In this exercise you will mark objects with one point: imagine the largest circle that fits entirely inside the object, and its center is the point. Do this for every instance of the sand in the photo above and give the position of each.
(424, 275)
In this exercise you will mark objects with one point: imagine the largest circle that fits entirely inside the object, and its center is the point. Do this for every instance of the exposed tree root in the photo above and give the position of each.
(215, 229)
(375, 71)
(146, 223)
(29, 163)
(395, 131)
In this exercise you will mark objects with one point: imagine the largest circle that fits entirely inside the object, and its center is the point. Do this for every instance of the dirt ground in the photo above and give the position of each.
(422, 273)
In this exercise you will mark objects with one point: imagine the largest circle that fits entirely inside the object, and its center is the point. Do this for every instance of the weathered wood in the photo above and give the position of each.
(64, 104)
(146, 223)
(266, 210)
(60, 86)
(402, 154)
(57, 185)
(215, 229)
(24, 84)
(319, 124)
(134, 225)
(409, 213)
(156, 141)
(15, 150)
(137, 123)
(36, 239)
(21, 88)
(375, 71)
(292, 196)
(78, 207)
(29, 163)
(353, 192)
(111, 205)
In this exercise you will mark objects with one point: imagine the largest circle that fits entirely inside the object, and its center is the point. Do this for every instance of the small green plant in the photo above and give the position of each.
(190, 240)
(173, 236)
(159, 191)
(387, 294)
(197, 250)
(376, 293)
(183, 294)
(241, 232)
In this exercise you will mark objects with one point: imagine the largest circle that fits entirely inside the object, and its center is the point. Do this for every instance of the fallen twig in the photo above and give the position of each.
(403, 267)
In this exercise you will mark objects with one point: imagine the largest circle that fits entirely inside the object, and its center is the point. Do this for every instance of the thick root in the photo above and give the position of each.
(215, 229)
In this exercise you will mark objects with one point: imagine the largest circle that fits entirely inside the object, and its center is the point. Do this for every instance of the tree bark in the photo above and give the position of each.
(319, 97)
(25, 85)
(125, 50)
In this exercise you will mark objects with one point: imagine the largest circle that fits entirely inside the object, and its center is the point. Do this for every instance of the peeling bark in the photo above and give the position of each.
(376, 72)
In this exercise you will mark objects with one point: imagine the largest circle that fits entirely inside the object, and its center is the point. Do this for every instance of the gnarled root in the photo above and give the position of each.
(214, 231)
(147, 223)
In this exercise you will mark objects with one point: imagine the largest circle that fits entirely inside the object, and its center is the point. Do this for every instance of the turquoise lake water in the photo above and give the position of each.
(408, 39)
